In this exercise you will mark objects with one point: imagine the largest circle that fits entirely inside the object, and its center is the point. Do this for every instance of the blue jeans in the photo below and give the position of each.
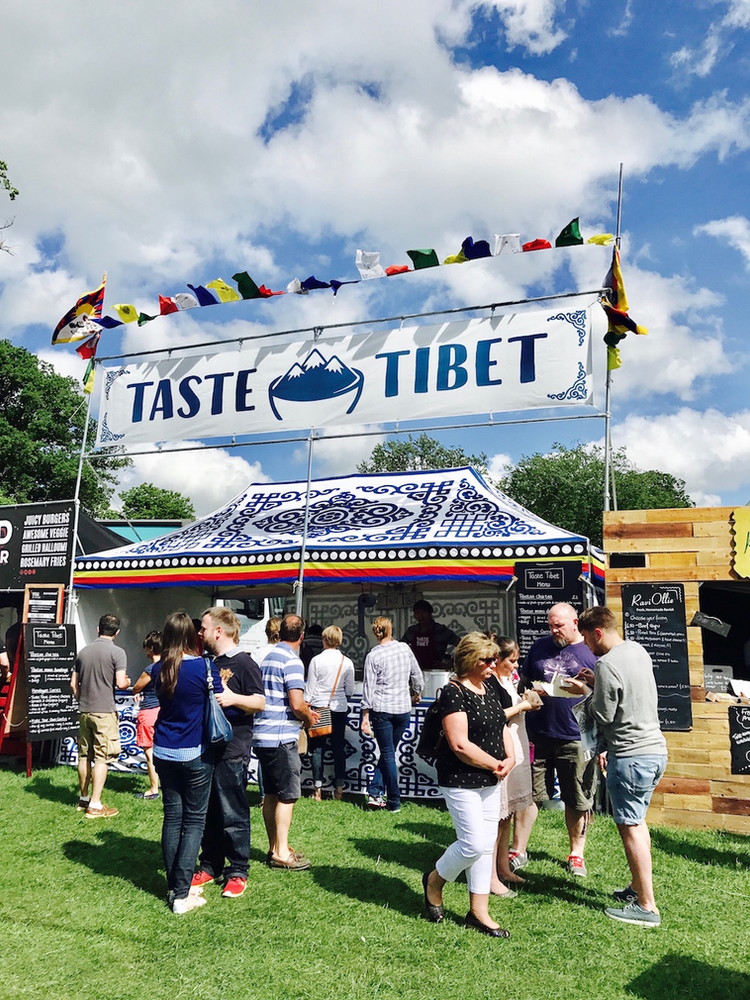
(185, 789)
(388, 731)
(338, 745)
(227, 832)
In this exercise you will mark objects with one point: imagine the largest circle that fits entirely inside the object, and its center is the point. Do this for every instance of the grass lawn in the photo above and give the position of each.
(82, 911)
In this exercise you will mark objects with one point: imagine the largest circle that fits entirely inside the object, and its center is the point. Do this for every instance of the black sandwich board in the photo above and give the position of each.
(739, 738)
(654, 615)
(50, 658)
(539, 585)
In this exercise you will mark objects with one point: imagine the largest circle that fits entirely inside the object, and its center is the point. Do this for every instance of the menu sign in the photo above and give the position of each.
(50, 658)
(654, 616)
(739, 738)
(538, 587)
(43, 605)
(36, 543)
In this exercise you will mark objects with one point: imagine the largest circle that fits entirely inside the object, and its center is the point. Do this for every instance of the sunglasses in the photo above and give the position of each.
(486, 659)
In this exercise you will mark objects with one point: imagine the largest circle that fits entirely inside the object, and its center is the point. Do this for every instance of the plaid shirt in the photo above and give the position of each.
(389, 668)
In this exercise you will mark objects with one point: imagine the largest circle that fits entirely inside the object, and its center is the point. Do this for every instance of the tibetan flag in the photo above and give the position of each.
(166, 306)
(423, 258)
(205, 298)
(311, 283)
(475, 251)
(397, 269)
(536, 245)
(88, 379)
(76, 323)
(368, 264)
(602, 239)
(248, 288)
(225, 292)
(570, 236)
(507, 243)
(184, 300)
(87, 349)
(128, 314)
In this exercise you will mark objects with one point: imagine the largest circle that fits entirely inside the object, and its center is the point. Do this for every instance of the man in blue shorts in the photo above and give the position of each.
(624, 706)
(275, 740)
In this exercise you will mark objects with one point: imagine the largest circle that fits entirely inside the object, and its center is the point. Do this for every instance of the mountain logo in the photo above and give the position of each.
(314, 380)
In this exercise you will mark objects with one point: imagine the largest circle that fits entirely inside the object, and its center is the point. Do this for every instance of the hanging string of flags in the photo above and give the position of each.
(84, 322)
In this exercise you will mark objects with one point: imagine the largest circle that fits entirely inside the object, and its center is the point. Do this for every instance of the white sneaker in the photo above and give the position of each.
(180, 906)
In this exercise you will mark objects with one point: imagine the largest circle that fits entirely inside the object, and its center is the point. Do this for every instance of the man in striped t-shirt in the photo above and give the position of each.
(275, 740)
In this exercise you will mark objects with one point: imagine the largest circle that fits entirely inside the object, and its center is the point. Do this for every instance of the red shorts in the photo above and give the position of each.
(144, 733)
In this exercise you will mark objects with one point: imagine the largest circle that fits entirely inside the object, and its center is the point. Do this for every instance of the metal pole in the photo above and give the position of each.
(301, 577)
(608, 471)
(76, 499)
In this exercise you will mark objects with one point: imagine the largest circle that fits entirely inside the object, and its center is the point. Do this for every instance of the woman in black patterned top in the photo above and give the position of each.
(476, 755)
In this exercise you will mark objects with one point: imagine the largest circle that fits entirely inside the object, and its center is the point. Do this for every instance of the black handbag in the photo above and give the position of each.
(431, 738)
(216, 726)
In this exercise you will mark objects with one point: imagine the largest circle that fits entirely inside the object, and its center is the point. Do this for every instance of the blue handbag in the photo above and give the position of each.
(216, 726)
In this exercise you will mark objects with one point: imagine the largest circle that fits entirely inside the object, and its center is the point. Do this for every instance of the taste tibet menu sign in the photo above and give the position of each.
(538, 587)
(50, 658)
(654, 616)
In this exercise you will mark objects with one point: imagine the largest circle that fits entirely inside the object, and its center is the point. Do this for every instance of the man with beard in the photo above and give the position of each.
(226, 837)
(556, 737)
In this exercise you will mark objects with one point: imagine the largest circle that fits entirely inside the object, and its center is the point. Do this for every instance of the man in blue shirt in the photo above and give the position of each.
(275, 740)
(556, 737)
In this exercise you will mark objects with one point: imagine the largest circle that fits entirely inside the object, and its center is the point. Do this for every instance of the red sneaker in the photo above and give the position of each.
(576, 865)
(200, 879)
(235, 887)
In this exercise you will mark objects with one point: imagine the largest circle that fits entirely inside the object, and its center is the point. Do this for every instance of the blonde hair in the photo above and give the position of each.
(474, 646)
(333, 636)
(227, 619)
(272, 630)
(382, 627)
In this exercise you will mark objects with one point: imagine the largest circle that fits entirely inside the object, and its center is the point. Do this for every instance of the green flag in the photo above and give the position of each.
(423, 258)
(247, 287)
(570, 236)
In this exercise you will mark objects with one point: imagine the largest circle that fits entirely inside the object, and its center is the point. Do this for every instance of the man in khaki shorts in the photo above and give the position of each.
(100, 667)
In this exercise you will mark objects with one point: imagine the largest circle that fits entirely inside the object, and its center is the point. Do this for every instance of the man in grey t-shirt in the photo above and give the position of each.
(624, 704)
(100, 667)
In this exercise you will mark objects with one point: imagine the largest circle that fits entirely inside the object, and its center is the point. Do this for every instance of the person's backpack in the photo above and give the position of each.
(432, 737)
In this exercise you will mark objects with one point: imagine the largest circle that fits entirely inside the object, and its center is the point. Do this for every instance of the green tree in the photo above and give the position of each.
(149, 501)
(42, 418)
(418, 455)
(5, 182)
(566, 487)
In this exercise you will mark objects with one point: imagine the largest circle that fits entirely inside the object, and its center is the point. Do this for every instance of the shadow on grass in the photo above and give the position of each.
(418, 855)
(677, 976)
(439, 834)
(672, 842)
(135, 859)
(43, 788)
(367, 886)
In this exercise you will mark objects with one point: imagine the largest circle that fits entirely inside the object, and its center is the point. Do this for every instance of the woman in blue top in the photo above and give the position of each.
(185, 768)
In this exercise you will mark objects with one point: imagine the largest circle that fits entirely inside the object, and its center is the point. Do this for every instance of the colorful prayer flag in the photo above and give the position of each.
(614, 302)
(87, 349)
(570, 235)
(312, 282)
(266, 293)
(184, 300)
(475, 251)
(456, 258)
(128, 314)
(423, 258)
(225, 292)
(507, 243)
(295, 288)
(335, 285)
(368, 264)
(248, 288)
(108, 322)
(166, 306)
(76, 323)
(397, 269)
(205, 298)
(601, 239)
(144, 318)
(536, 245)
(88, 379)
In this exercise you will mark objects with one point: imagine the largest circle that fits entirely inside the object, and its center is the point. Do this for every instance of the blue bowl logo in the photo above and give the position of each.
(314, 380)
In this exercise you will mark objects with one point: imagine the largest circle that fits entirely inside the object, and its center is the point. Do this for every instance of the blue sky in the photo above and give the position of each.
(169, 144)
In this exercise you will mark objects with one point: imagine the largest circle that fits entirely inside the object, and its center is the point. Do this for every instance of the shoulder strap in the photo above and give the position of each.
(333, 689)
(209, 678)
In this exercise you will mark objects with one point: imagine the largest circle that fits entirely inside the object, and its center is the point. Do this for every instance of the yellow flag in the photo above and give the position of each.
(456, 258)
(224, 291)
(601, 239)
(613, 358)
(128, 314)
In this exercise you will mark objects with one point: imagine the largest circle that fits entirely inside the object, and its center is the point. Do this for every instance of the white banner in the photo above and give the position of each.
(515, 362)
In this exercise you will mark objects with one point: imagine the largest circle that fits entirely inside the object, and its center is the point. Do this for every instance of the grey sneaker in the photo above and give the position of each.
(633, 913)
(628, 895)
(517, 860)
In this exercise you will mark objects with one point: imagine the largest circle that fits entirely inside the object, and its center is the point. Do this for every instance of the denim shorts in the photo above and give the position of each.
(282, 768)
(631, 782)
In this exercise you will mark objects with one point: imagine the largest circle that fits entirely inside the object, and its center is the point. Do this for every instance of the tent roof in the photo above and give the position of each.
(409, 527)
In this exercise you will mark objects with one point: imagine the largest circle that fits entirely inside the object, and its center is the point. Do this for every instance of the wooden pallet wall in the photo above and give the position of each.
(688, 546)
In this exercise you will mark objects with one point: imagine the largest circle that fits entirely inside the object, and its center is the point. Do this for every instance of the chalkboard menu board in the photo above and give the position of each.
(654, 616)
(50, 658)
(36, 543)
(739, 738)
(538, 587)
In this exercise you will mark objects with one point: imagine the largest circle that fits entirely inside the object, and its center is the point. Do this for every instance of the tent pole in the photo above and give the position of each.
(69, 610)
(301, 577)
(608, 392)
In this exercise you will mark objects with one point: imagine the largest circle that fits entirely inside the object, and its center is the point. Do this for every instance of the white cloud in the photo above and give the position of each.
(210, 477)
(340, 456)
(716, 45)
(499, 465)
(529, 24)
(735, 229)
(710, 450)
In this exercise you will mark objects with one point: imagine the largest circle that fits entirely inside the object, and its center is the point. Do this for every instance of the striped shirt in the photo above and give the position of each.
(389, 668)
(283, 671)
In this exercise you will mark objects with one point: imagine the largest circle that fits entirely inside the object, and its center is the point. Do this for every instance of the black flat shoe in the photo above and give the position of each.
(435, 914)
(477, 925)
